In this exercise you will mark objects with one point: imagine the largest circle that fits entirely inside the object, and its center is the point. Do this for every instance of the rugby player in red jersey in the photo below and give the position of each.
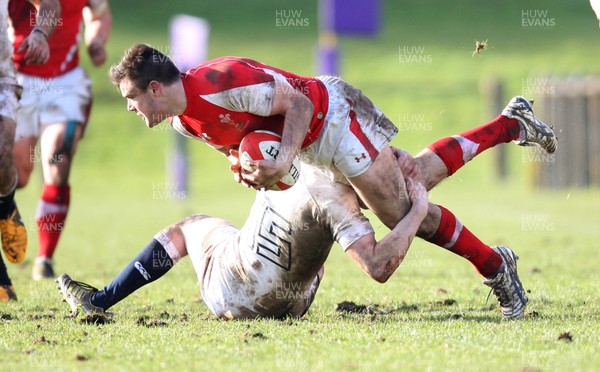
(35, 49)
(330, 124)
(55, 107)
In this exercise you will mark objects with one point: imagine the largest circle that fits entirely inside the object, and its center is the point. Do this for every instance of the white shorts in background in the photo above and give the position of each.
(56, 100)
(354, 132)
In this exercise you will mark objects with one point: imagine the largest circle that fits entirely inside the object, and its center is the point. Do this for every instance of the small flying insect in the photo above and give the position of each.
(479, 46)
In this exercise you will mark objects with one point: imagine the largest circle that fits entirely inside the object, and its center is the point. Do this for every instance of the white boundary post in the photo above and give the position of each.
(189, 47)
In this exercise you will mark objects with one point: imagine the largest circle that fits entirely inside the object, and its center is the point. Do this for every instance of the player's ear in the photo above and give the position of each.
(154, 87)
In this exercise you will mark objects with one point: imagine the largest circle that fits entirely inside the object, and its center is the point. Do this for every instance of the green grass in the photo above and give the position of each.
(120, 171)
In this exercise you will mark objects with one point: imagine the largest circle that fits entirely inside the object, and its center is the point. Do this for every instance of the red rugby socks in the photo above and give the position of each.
(456, 151)
(454, 236)
(51, 216)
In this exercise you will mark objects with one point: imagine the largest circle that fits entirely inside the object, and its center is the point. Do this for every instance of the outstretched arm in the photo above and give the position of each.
(98, 21)
(381, 259)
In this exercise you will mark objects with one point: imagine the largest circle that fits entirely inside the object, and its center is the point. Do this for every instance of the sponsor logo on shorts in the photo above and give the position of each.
(361, 157)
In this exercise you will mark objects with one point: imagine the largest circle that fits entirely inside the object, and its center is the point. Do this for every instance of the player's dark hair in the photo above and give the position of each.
(141, 64)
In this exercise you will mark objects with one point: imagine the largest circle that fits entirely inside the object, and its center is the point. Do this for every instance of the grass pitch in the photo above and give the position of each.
(432, 314)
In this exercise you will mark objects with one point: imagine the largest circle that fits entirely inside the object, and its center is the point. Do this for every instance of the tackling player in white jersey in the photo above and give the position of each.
(272, 266)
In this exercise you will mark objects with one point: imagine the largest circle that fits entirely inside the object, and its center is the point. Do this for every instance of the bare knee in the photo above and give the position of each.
(383, 189)
(176, 238)
(431, 169)
(196, 225)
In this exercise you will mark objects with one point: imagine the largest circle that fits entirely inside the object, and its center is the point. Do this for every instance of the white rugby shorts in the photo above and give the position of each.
(354, 132)
(55, 100)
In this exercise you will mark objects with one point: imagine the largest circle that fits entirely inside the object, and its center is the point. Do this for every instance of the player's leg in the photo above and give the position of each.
(64, 111)
(24, 157)
(12, 229)
(444, 157)
(383, 189)
(360, 134)
(7, 292)
(516, 123)
(155, 260)
(442, 228)
(8, 174)
(496, 264)
(58, 143)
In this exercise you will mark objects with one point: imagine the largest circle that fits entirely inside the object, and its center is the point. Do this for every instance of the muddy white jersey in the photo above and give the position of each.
(267, 268)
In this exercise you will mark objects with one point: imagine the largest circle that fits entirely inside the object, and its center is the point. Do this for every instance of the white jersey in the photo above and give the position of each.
(267, 268)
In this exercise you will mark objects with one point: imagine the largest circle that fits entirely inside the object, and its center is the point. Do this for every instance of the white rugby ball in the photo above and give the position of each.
(264, 145)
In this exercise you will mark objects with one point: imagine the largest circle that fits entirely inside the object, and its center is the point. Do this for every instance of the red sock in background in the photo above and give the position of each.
(454, 236)
(51, 215)
(456, 151)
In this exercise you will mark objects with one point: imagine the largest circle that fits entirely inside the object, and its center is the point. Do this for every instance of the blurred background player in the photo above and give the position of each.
(55, 109)
(35, 50)
(273, 265)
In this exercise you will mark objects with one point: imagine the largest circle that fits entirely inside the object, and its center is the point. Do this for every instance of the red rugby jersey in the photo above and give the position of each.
(64, 42)
(230, 97)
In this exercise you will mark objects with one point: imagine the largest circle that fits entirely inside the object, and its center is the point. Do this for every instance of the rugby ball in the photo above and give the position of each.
(264, 145)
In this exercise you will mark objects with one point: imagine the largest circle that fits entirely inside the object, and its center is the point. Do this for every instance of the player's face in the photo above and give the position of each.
(142, 102)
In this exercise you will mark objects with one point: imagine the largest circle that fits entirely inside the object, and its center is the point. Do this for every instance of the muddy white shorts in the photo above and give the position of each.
(55, 100)
(236, 282)
(354, 132)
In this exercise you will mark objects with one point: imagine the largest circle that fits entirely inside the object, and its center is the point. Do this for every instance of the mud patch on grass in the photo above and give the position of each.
(565, 336)
(150, 323)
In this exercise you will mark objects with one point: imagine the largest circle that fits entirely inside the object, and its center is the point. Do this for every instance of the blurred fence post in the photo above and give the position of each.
(572, 106)
(593, 137)
(492, 91)
(189, 46)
